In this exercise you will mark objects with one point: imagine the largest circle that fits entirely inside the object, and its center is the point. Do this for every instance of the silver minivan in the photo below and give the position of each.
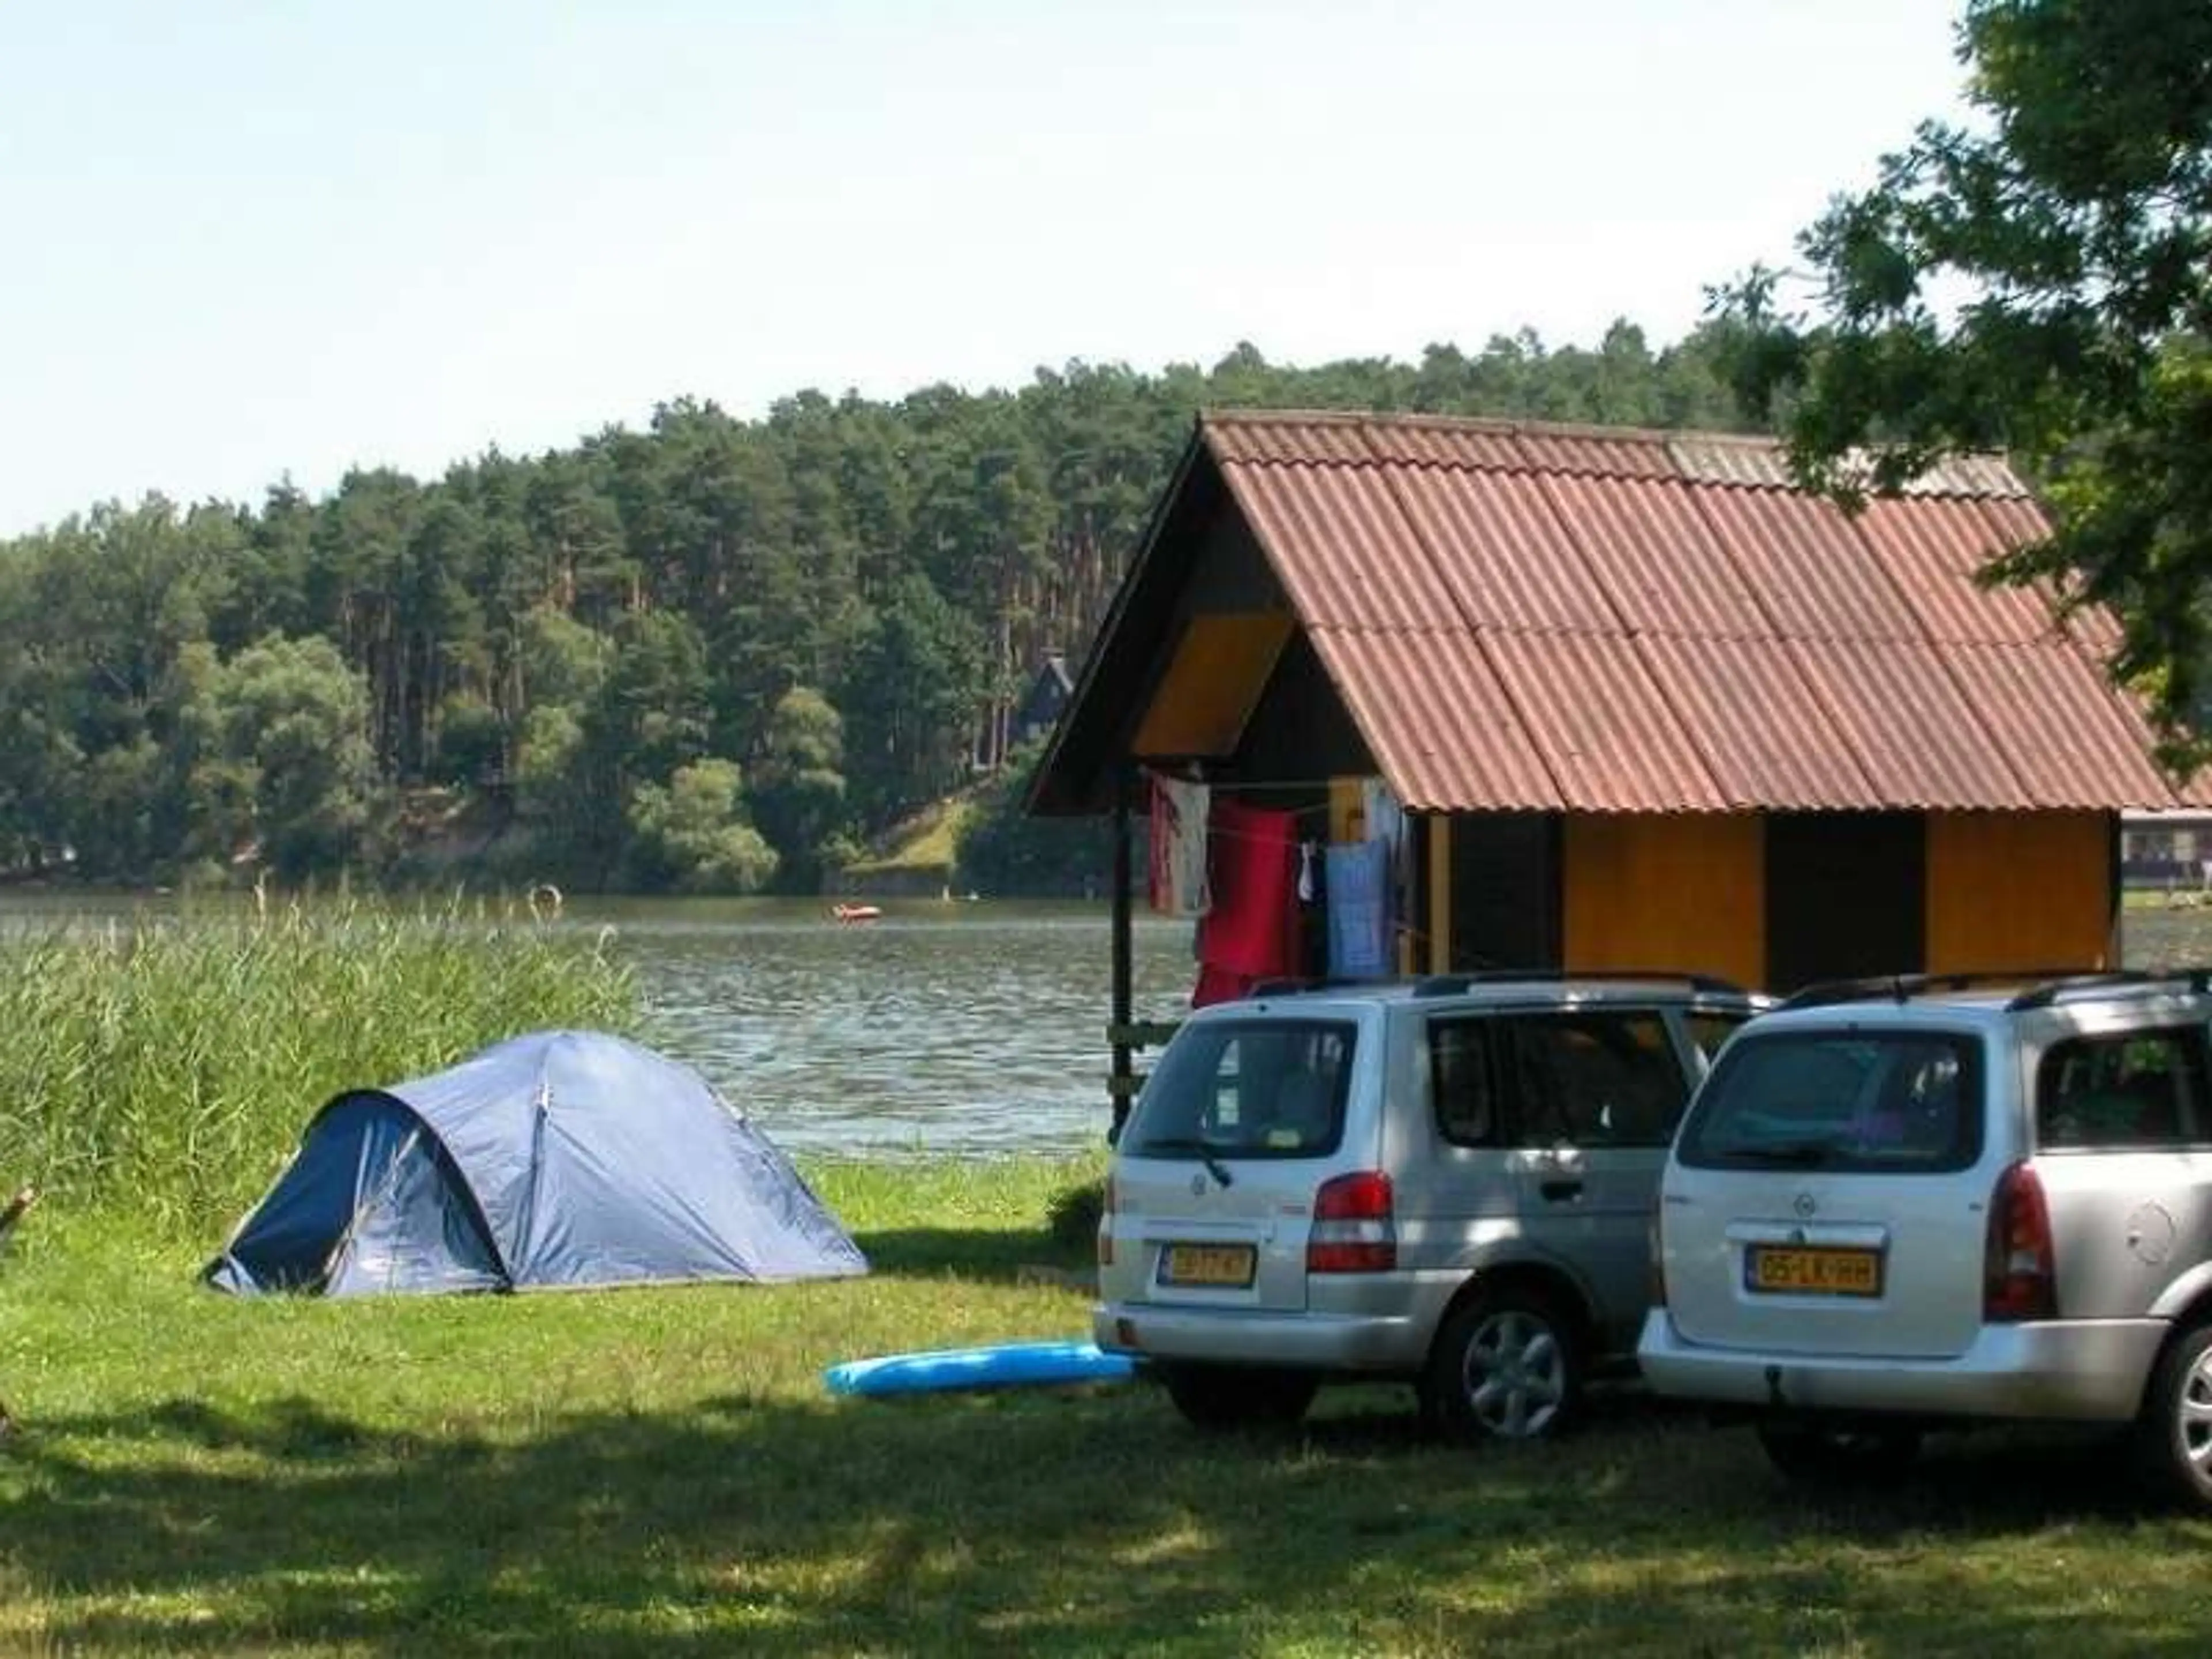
(1447, 1183)
(1914, 1204)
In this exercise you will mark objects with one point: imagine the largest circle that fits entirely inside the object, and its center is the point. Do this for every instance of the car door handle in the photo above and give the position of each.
(1560, 1192)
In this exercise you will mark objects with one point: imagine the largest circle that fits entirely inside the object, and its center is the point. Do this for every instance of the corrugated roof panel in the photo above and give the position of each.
(1593, 453)
(2062, 731)
(1968, 475)
(1338, 442)
(1598, 721)
(1814, 576)
(1342, 547)
(1427, 442)
(1437, 721)
(1917, 734)
(1752, 463)
(1767, 741)
(1501, 548)
(2197, 791)
(1647, 544)
(1933, 549)
(2017, 523)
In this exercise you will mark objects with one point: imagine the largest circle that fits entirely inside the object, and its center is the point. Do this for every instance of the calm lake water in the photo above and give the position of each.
(942, 1029)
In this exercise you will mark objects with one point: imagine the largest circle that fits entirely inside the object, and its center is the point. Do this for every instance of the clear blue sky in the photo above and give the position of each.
(247, 238)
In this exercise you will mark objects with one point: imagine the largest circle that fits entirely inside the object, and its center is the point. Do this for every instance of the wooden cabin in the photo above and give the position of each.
(1644, 701)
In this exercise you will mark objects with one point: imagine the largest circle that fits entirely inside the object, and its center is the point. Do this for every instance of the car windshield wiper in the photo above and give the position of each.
(1784, 1154)
(1209, 1153)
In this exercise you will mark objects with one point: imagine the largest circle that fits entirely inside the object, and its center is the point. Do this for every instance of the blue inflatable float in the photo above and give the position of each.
(1004, 1365)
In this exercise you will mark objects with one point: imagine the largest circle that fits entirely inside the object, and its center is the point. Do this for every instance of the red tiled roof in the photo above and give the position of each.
(1522, 616)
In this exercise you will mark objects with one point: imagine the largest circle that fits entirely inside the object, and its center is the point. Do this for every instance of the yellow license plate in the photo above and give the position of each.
(1800, 1272)
(1227, 1265)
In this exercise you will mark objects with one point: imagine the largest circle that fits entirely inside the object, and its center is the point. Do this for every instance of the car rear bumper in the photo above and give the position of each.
(2080, 1370)
(1377, 1343)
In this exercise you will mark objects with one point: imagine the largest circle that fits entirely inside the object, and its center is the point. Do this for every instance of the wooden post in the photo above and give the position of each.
(1122, 1082)
(1440, 893)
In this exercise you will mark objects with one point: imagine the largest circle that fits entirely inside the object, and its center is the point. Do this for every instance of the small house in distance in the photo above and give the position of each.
(1642, 700)
(1038, 711)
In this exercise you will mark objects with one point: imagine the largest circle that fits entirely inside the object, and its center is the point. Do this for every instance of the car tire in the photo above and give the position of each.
(1224, 1397)
(2173, 1435)
(1506, 1365)
(1819, 1455)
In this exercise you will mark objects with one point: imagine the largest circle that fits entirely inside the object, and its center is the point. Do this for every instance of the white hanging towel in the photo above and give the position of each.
(1177, 885)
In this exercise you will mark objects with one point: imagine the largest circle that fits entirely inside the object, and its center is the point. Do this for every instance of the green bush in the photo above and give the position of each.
(166, 1065)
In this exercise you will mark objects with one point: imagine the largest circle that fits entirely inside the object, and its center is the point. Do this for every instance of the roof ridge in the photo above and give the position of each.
(1499, 425)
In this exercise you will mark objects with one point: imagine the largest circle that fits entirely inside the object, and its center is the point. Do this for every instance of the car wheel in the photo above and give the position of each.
(1506, 1366)
(1222, 1397)
(2174, 1437)
(1838, 1456)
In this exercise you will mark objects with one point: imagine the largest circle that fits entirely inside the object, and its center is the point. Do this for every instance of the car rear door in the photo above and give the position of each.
(1215, 1174)
(1829, 1193)
(1597, 1093)
(2123, 1154)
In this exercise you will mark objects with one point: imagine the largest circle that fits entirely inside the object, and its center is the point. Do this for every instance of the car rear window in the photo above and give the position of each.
(1246, 1089)
(1893, 1102)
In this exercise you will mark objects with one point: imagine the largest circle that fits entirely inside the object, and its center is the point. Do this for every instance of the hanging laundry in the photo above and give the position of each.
(1250, 933)
(1360, 910)
(1177, 883)
(1384, 818)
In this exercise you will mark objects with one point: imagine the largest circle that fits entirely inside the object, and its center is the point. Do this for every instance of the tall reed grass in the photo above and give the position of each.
(167, 1064)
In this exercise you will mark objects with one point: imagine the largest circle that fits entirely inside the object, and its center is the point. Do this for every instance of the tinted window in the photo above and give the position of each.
(1588, 1079)
(1905, 1101)
(1249, 1091)
(1463, 1081)
(2122, 1091)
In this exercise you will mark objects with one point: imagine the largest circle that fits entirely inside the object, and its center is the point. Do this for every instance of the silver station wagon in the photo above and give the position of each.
(1912, 1204)
(1447, 1183)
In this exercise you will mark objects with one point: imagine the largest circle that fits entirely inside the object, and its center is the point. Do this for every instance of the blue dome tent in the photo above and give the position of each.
(558, 1158)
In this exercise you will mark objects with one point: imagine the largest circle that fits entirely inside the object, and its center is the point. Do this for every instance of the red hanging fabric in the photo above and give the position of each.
(1251, 933)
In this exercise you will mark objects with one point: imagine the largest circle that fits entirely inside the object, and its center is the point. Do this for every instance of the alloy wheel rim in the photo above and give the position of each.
(1515, 1374)
(2196, 1416)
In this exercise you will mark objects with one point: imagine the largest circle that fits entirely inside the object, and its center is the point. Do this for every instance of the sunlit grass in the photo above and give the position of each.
(650, 1471)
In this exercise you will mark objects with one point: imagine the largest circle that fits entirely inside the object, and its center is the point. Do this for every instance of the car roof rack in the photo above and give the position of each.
(2197, 980)
(1446, 985)
(1285, 986)
(2042, 986)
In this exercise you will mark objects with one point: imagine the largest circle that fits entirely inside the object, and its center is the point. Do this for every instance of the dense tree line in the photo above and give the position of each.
(714, 654)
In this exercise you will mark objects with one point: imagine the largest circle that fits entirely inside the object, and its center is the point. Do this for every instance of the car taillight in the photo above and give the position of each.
(2020, 1272)
(1353, 1230)
(1106, 1227)
(1658, 1244)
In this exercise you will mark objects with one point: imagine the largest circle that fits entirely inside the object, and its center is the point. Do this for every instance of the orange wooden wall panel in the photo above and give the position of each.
(1680, 890)
(1212, 685)
(2018, 889)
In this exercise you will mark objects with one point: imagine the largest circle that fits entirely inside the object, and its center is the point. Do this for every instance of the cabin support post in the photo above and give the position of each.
(1121, 1083)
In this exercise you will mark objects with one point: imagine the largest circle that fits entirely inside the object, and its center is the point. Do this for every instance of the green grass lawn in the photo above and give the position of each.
(662, 1472)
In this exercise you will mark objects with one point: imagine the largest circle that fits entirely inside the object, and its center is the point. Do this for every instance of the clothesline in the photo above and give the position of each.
(1244, 785)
